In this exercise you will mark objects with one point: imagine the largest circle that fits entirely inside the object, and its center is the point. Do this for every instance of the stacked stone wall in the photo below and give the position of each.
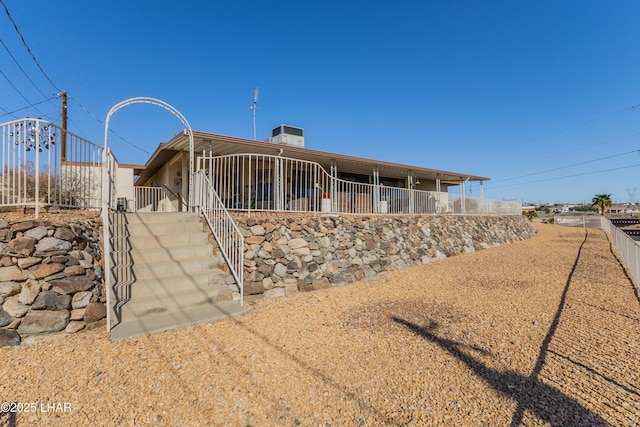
(51, 272)
(291, 254)
(50, 277)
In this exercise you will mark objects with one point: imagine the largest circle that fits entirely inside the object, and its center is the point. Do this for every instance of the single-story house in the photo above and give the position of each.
(281, 174)
(621, 208)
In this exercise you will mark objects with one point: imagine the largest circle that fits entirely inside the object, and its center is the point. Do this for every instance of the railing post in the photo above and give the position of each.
(410, 187)
(462, 204)
(376, 190)
(37, 168)
(106, 235)
(333, 195)
(438, 195)
(278, 189)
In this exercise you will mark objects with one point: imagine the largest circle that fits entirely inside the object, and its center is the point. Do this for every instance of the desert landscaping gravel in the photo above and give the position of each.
(538, 332)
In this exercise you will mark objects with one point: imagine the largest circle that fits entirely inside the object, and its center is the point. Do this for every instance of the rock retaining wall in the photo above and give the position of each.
(50, 277)
(284, 255)
(51, 271)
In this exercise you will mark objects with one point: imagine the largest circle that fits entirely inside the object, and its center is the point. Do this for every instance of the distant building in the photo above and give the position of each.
(624, 208)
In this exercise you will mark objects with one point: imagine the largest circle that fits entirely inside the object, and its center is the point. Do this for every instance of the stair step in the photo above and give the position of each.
(201, 282)
(169, 254)
(168, 240)
(163, 301)
(207, 313)
(161, 217)
(167, 275)
(164, 228)
(179, 268)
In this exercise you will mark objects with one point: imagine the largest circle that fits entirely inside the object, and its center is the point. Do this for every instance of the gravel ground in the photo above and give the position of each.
(540, 332)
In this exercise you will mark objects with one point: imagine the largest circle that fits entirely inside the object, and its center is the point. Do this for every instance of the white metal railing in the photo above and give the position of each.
(477, 205)
(628, 248)
(110, 231)
(109, 180)
(149, 199)
(226, 233)
(43, 165)
(263, 182)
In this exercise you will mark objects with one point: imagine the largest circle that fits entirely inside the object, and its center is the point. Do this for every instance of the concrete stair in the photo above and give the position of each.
(171, 276)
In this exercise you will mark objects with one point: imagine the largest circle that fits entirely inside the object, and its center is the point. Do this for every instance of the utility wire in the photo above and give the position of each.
(77, 127)
(20, 66)
(130, 143)
(8, 112)
(633, 107)
(567, 176)
(21, 94)
(83, 108)
(565, 167)
(604, 116)
(24, 42)
(24, 108)
(558, 153)
(102, 123)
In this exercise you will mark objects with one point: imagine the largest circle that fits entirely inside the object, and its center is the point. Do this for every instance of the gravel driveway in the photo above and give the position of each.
(540, 332)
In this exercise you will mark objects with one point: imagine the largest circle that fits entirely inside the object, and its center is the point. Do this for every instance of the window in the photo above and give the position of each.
(354, 177)
(392, 182)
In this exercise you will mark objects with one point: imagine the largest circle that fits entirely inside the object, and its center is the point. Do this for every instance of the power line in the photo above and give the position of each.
(558, 153)
(24, 42)
(20, 93)
(78, 127)
(8, 112)
(568, 176)
(130, 143)
(20, 66)
(24, 108)
(565, 167)
(102, 123)
(83, 108)
(604, 116)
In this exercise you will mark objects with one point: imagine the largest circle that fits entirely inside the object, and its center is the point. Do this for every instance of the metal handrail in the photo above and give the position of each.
(225, 231)
(176, 195)
(148, 199)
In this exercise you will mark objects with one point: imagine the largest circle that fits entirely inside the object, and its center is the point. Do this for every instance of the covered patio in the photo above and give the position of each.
(250, 175)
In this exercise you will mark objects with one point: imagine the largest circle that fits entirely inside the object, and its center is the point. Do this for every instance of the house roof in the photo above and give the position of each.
(619, 206)
(224, 145)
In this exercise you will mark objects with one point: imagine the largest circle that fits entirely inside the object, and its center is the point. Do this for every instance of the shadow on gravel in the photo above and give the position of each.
(8, 419)
(607, 310)
(547, 402)
(596, 373)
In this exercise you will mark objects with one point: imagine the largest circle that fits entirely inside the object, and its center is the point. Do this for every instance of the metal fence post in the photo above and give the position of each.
(37, 168)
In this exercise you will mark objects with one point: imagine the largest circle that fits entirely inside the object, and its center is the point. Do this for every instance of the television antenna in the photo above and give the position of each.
(254, 107)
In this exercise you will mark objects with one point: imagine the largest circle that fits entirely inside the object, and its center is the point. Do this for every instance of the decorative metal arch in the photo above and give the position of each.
(108, 181)
(159, 103)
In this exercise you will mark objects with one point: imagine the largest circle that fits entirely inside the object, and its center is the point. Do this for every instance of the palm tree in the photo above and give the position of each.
(602, 201)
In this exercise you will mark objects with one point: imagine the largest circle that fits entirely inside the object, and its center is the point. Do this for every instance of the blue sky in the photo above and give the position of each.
(539, 96)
